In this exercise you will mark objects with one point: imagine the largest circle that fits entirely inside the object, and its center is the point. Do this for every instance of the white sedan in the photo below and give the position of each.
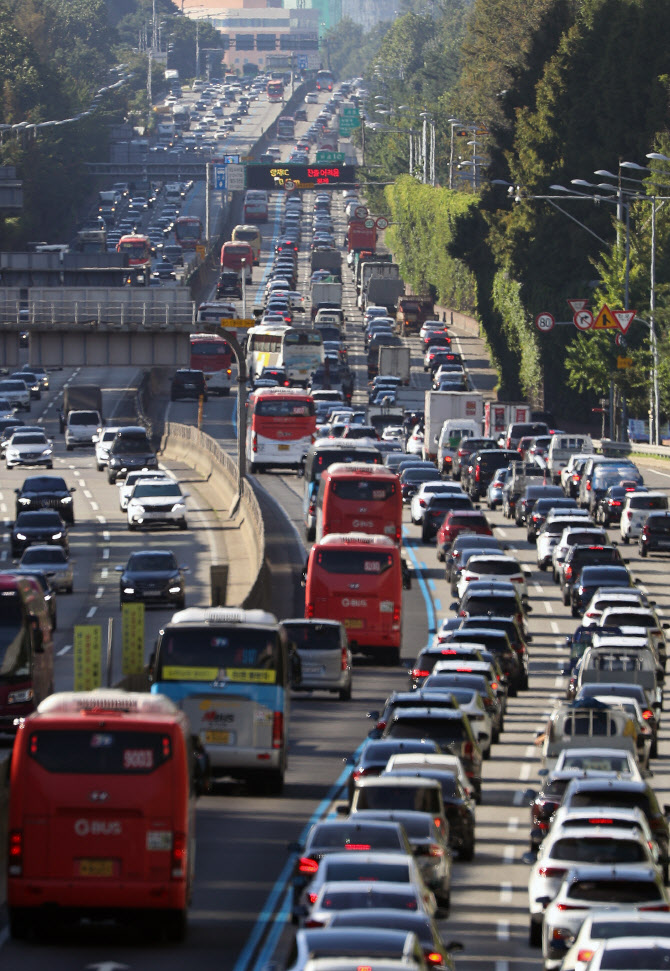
(415, 443)
(127, 485)
(159, 503)
(105, 438)
(492, 567)
(29, 448)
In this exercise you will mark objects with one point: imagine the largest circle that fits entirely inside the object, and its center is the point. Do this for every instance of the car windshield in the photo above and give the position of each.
(152, 561)
(353, 870)
(14, 637)
(47, 517)
(128, 445)
(343, 836)
(52, 556)
(29, 438)
(157, 489)
(84, 418)
(44, 483)
(370, 898)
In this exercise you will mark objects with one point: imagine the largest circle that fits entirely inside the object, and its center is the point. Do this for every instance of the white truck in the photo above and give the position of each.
(374, 269)
(440, 406)
(499, 414)
(325, 294)
(395, 361)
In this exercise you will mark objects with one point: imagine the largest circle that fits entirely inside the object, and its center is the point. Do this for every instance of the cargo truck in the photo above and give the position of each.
(378, 270)
(327, 259)
(362, 257)
(384, 292)
(413, 310)
(80, 397)
(361, 236)
(440, 406)
(325, 294)
(499, 414)
(395, 361)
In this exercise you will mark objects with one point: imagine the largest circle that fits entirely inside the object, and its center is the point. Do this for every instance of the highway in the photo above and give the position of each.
(238, 920)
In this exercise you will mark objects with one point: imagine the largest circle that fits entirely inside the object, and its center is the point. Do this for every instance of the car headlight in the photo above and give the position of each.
(21, 536)
(135, 507)
(66, 499)
(178, 506)
(57, 535)
(23, 501)
(129, 590)
(20, 697)
(174, 589)
(47, 451)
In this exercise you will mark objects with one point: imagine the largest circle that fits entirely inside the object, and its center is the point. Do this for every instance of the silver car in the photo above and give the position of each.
(325, 658)
(102, 445)
(29, 448)
(53, 562)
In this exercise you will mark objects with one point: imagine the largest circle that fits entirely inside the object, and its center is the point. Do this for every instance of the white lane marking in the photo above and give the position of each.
(502, 965)
(505, 893)
(101, 520)
(105, 554)
(94, 506)
(3, 555)
(89, 495)
(524, 774)
(530, 752)
(502, 532)
(508, 854)
(105, 535)
(3, 507)
(80, 482)
(99, 592)
(538, 588)
(513, 824)
(64, 650)
(104, 573)
(502, 930)
(518, 798)
(558, 683)
(666, 475)
(548, 607)
(554, 627)
(91, 612)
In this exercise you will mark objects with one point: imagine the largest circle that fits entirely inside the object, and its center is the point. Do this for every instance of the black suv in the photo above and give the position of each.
(229, 285)
(580, 556)
(591, 579)
(465, 449)
(437, 507)
(541, 510)
(130, 450)
(655, 535)
(188, 384)
(46, 492)
(497, 643)
(39, 526)
(482, 465)
(531, 494)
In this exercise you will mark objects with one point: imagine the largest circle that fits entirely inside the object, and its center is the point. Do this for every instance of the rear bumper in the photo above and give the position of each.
(92, 895)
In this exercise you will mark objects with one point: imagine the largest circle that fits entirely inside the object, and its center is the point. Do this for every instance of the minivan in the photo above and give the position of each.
(518, 430)
(636, 508)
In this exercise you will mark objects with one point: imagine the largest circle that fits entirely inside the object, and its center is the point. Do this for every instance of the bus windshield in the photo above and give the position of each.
(14, 639)
(283, 408)
(296, 337)
(206, 654)
(99, 752)
(355, 562)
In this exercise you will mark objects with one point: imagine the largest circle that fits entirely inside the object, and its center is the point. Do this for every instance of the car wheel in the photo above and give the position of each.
(566, 598)
(252, 467)
(132, 527)
(486, 754)
(493, 506)
(183, 524)
(20, 923)
(176, 926)
(99, 467)
(643, 551)
(50, 465)
(468, 852)
(535, 934)
(625, 539)
(574, 610)
(68, 448)
(70, 589)
(345, 693)
(440, 556)
(111, 478)
(542, 564)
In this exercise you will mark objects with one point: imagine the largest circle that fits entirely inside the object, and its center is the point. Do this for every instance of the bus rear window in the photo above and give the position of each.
(368, 490)
(99, 752)
(209, 348)
(355, 562)
(284, 408)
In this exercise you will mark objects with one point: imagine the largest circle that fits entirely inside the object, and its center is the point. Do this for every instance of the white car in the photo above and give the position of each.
(311, 98)
(636, 508)
(159, 503)
(16, 392)
(29, 448)
(127, 485)
(587, 534)
(568, 484)
(415, 442)
(6, 408)
(393, 433)
(619, 760)
(420, 498)
(586, 888)
(442, 762)
(492, 567)
(105, 438)
(636, 951)
(603, 925)
(633, 621)
(604, 846)
(552, 530)
(355, 894)
(82, 428)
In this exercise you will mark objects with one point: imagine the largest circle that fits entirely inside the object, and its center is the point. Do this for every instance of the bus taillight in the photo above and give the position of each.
(309, 610)
(15, 868)
(254, 442)
(396, 617)
(178, 867)
(278, 730)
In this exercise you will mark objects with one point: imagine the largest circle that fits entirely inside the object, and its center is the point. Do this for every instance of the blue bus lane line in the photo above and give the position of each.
(276, 912)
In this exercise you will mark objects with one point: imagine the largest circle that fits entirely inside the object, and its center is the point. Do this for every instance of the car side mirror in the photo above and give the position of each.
(455, 946)
(72, 489)
(530, 795)
(37, 631)
(373, 714)
(454, 606)
(119, 569)
(342, 810)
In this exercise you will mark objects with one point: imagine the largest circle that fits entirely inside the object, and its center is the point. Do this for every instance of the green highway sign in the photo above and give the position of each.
(330, 156)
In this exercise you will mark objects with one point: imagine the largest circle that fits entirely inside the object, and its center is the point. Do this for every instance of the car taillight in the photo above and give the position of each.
(477, 473)
(344, 662)
(468, 750)
(468, 578)
(312, 507)
(309, 610)
(557, 931)
(588, 486)
(584, 955)
(312, 897)
(647, 714)
(419, 673)
(615, 502)
(433, 957)
(178, 861)
(434, 849)
(567, 572)
(663, 907)
(593, 613)
(395, 624)
(278, 730)
(314, 923)
(629, 514)
(551, 871)
(398, 533)
(307, 865)
(15, 853)
(516, 579)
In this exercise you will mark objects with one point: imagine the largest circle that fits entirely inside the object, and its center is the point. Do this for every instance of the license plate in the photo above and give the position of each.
(96, 868)
(219, 738)
(313, 669)
(353, 623)
(283, 448)
(152, 593)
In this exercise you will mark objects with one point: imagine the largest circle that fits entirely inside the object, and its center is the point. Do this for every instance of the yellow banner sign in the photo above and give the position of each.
(87, 657)
(241, 323)
(624, 362)
(132, 638)
(179, 672)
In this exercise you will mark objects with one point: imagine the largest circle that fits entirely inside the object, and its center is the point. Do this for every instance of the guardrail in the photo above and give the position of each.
(609, 447)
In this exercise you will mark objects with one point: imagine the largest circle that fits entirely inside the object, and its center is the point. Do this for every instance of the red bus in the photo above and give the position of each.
(235, 255)
(324, 80)
(188, 231)
(281, 426)
(358, 497)
(102, 811)
(275, 90)
(213, 355)
(137, 248)
(357, 579)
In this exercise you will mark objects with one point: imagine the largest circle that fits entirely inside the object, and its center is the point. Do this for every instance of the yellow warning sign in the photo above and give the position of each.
(605, 319)
(132, 638)
(623, 362)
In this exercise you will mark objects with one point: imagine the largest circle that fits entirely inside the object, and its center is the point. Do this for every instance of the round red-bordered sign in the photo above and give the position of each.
(369, 223)
(360, 212)
(583, 319)
(289, 185)
(382, 222)
(545, 322)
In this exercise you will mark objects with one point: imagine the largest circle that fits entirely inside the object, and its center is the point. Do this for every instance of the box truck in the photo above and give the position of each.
(442, 405)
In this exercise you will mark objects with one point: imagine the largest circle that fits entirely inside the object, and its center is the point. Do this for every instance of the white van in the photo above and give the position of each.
(256, 206)
(636, 508)
(561, 447)
(452, 431)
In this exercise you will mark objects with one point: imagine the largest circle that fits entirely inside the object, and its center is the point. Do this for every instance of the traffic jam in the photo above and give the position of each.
(524, 550)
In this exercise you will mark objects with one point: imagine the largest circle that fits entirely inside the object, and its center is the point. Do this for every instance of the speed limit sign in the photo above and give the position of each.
(382, 222)
(583, 320)
(544, 322)
(289, 185)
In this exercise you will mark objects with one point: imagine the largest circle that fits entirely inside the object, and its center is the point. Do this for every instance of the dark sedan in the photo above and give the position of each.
(152, 577)
(46, 492)
(41, 526)
(438, 505)
(593, 577)
(411, 479)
